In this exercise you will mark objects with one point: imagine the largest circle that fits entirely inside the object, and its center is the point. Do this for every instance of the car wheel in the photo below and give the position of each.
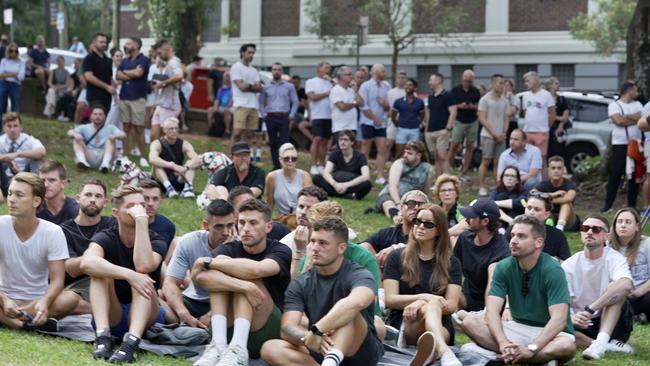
(575, 153)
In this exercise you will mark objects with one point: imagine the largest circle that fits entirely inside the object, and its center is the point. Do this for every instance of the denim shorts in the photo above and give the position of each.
(405, 135)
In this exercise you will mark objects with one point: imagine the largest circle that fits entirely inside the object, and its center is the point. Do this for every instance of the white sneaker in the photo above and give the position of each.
(459, 316)
(476, 349)
(234, 355)
(483, 192)
(144, 163)
(425, 350)
(211, 355)
(321, 169)
(595, 351)
(380, 181)
(187, 193)
(135, 151)
(172, 193)
(615, 345)
(314, 170)
(448, 358)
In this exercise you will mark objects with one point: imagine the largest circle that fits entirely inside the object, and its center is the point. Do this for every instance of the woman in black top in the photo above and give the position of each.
(346, 172)
(422, 283)
(509, 194)
(555, 147)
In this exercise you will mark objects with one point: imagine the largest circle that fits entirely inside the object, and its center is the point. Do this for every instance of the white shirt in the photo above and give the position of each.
(24, 142)
(619, 137)
(319, 109)
(249, 75)
(24, 264)
(588, 279)
(343, 120)
(536, 106)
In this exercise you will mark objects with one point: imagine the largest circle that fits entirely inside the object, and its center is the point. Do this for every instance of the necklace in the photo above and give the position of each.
(427, 258)
(83, 235)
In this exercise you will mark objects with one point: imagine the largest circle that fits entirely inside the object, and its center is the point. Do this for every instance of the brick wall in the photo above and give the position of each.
(473, 11)
(544, 15)
(280, 17)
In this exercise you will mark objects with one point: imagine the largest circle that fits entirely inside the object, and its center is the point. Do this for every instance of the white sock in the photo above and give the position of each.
(559, 227)
(106, 160)
(219, 329)
(147, 135)
(603, 338)
(168, 186)
(258, 153)
(80, 156)
(188, 187)
(333, 358)
(241, 328)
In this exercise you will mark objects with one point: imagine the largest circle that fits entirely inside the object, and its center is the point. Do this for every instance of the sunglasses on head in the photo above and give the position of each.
(427, 224)
(594, 229)
(413, 204)
(524, 286)
(287, 159)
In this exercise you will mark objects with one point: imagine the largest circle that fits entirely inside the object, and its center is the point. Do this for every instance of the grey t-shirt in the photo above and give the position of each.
(315, 294)
(495, 112)
(191, 247)
(169, 95)
(641, 268)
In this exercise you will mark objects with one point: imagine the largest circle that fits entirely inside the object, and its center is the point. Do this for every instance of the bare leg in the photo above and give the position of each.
(127, 140)
(155, 132)
(467, 159)
(138, 138)
(143, 313)
(315, 149)
(482, 172)
(560, 348)
(442, 161)
(476, 328)
(305, 129)
(582, 340)
(429, 320)
(386, 206)
(382, 153)
(107, 309)
(278, 352)
(566, 214)
(453, 149)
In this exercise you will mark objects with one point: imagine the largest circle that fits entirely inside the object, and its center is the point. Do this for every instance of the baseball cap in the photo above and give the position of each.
(240, 147)
(483, 208)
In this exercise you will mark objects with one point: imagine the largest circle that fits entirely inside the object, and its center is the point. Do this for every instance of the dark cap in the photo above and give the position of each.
(483, 208)
(240, 147)
(197, 58)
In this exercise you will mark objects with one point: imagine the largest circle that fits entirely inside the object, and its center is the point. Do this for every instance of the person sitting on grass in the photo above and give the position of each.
(240, 194)
(563, 194)
(174, 161)
(509, 194)
(283, 185)
(447, 190)
(540, 330)
(123, 263)
(92, 199)
(32, 251)
(247, 280)
(337, 298)
(526, 157)
(94, 143)
(57, 207)
(192, 305)
(599, 282)
(158, 222)
(626, 238)
(240, 172)
(423, 286)
(346, 172)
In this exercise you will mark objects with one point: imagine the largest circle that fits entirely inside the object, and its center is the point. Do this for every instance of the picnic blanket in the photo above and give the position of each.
(78, 327)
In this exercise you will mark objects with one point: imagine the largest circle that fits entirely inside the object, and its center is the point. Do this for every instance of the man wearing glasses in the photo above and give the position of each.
(599, 281)
(538, 297)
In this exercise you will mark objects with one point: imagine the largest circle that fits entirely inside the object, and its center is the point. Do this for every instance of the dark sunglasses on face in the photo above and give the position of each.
(413, 204)
(427, 224)
(287, 159)
(12, 50)
(594, 229)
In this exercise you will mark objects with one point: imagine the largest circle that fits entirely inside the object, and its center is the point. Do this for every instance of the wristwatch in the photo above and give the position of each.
(589, 310)
(533, 348)
(314, 329)
(206, 263)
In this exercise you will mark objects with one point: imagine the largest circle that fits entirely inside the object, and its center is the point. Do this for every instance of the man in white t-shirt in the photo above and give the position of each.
(599, 281)
(318, 92)
(32, 251)
(167, 85)
(344, 102)
(394, 94)
(625, 113)
(245, 84)
(539, 113)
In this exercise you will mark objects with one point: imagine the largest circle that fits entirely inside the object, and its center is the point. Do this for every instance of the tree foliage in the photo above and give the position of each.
(605, 28)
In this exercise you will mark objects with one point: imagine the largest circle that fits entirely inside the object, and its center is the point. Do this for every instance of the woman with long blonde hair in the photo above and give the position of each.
(422, 283)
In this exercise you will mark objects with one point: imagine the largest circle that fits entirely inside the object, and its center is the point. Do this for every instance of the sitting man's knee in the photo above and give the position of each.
(273, 350)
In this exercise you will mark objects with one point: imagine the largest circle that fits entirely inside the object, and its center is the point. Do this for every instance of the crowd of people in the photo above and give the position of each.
(276, 272)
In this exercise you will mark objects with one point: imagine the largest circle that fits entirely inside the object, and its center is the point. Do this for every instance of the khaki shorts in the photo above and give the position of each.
(539, 139)
(81, 287)
(246, 118)
(132, 111)
(160, 114)
(437, 140)
(464, 131)
(526, 334)
(490, 149)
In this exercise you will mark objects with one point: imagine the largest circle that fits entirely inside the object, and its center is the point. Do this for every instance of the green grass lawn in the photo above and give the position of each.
(20, 348)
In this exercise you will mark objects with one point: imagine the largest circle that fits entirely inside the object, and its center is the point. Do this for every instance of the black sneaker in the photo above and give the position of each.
(103, 347)
(127, 351)
(51, 325)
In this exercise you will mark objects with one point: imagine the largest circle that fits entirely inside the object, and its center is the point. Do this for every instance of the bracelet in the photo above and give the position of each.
(589, 310)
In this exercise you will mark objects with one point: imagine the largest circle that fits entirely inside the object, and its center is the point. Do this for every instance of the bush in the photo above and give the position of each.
(589, 169)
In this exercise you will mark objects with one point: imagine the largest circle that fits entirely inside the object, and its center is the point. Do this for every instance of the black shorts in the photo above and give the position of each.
(196, 308)
(369, 353)
(622, 330)
(369, 132)
(321, 128)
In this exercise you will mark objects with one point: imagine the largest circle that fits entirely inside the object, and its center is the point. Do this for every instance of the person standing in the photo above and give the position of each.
(166, 84)
(98, 72)
(394, 94)
(318, 91)
(539, 113)
(344, 102)
(440, 116)
(245, 84)
(467, 97)
(133, 73)
(374, 115)
(493, 116)
(12, 73)
(625, 113)
(278, 104)
(560, 124)
(407, 115)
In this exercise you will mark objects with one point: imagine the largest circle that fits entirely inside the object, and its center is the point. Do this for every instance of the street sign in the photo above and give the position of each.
(8, 16)
(60, 21)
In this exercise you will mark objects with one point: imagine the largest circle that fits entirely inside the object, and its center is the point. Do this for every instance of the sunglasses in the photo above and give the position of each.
(413, 204)
(287, 159)
(524, 286)
(13, 50)
(427, 224)
(594, 229)
(542, 195)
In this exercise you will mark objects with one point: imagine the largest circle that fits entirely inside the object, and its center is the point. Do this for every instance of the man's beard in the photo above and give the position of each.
(90, 211)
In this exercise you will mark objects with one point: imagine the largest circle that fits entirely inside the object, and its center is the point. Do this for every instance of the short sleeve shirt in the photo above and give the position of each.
(78, 238)
(102, 68)
(531, 158)
(495, 110)
(536, 107)
(40, 57)
(319, 109)
(386, 237)
(70, 210)
(217, 80)
(163, 227)
(342, 120)
(439, 110)
(640, 270)
(547, 187)
(276, 251)
(621, 135)
(471, 96)
(355, 164)
(24, 142)
(555, 244)
(99, 141)
(168, 97)
(228, 178)
(134, 89)
(119, 254)
(249, 75)
(408, 112)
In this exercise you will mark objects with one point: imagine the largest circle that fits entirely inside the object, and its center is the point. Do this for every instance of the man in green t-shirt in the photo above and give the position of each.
(535, 285)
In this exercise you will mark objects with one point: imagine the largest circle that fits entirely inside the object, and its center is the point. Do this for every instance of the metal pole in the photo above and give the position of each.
(359, 35)
(116, 24)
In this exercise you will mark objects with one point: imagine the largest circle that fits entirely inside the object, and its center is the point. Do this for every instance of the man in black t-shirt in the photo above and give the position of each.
(337, 298)
(479, 249)
(58, 207)
(78, 233)
(562, 192)
(383, 242)
(98, 71)
(246, 278)
(441, 115)
(467, 97)
(240, 172)
(123, 263)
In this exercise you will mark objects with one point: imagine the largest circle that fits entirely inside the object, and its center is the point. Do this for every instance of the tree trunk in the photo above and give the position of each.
(637, 65)
(188, 37)
(393, 68)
